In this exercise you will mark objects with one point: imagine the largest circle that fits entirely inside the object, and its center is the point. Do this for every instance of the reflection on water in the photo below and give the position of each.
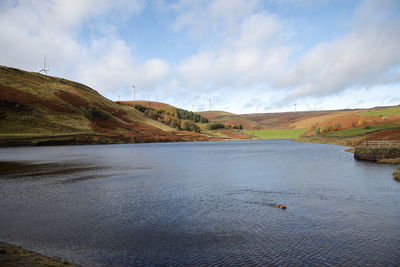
(208, 203)
(70, 171)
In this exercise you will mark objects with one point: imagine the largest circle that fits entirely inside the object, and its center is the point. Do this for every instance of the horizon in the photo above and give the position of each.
(238, 56)
(376, 107)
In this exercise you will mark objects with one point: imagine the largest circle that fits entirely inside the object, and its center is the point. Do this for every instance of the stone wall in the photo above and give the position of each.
(374, 154)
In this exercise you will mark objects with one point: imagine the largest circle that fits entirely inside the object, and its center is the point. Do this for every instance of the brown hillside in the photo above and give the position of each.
(150, 104)
(231, 119)
(284, 120)
(51, 109)
(341, 119)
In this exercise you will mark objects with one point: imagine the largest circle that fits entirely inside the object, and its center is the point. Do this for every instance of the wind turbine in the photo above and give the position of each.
(44, 70)
(134, 91)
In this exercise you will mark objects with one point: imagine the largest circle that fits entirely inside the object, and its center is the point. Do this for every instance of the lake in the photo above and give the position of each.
(200, 203)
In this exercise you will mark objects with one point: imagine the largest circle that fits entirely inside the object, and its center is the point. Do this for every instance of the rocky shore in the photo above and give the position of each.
(13, 256)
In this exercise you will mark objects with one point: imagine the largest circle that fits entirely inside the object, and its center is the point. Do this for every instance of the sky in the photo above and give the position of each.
(241, 56)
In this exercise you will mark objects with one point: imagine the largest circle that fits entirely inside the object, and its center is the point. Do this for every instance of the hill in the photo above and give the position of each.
(182, 119)
(337, 126)
(150, 104)
(36, 109)
(283, 120)
(231, 119)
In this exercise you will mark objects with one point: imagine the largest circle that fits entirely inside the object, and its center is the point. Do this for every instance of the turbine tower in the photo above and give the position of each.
(44, 70)
(134, 92)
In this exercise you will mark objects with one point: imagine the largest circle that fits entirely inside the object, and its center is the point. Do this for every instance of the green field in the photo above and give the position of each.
(276, 133)
(363, 130)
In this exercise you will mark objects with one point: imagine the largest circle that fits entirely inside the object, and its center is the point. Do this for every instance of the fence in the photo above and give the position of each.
(393, 143)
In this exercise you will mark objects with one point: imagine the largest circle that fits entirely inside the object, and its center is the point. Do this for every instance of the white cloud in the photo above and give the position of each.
(30, 29)
(107, 66)
(203, 18)
(363, 57)
(256, 55)
(248, 54)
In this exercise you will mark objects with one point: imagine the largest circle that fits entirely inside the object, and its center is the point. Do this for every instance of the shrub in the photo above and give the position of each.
(189, 115)
(203, 119)
(96, 113)
(215, 125)
(175, 124)
(190, 126)
(327, 129)
(167, 120)
(140, 108)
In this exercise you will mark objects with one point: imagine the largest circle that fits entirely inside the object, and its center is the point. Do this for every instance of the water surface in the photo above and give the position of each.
(200, 204)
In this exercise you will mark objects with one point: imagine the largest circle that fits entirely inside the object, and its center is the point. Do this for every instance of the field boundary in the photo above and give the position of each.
(391, 143)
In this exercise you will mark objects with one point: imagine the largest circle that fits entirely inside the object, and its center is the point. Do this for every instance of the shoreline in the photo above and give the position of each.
(92, 139)
(13, 256)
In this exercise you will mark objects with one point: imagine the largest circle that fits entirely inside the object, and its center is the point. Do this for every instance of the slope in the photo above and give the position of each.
(337, 126)
(231, 119)
(40, 109)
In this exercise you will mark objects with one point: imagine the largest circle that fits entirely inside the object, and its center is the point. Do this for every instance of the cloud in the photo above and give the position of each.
(249, 52)
(200, 18)
(29, 30)
(363, 57)
(256, 53)
(107, 66)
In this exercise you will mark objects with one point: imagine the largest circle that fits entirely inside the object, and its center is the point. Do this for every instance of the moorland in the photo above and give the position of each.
(37, 109)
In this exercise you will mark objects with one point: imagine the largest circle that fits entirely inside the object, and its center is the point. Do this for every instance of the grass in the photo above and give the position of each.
(276, 133)
(384, 112)
(363, 130)
(390, 161)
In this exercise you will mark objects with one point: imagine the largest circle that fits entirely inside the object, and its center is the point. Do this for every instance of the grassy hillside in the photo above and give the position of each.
(335, 126)
(39, 109)
(283, 120)
(327, 120)
(177, 118)
(364, 130)
(150, 104)
(182, 119)
(230, 119)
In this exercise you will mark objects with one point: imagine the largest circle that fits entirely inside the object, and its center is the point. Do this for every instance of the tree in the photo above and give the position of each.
(175, 124)
(215, 125)
(189, 126)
